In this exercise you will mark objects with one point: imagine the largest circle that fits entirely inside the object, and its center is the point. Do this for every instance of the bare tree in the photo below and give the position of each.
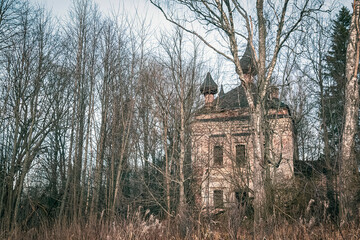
(29, 61)
(223, 17)
(79, 32)
(8, 20)
(184, 74)
(128, 65)
(317, 41)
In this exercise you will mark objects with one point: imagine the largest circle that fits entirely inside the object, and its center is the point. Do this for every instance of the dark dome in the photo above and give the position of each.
(247, 61)
(208, 86)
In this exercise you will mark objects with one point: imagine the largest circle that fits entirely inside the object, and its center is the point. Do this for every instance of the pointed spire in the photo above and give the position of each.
(221, 93)
(208, 86)
(247, 61)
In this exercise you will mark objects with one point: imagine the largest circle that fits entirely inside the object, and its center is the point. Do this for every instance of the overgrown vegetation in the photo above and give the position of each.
(95, 121)
(137, 227)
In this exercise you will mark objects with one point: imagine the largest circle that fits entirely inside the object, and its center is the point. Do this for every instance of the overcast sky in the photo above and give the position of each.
(60, 9)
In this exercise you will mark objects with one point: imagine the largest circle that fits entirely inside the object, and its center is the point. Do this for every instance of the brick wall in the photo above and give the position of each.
(230, 128)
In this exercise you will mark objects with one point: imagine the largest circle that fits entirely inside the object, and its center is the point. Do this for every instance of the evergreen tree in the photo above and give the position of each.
(332, 97)
(336, 62)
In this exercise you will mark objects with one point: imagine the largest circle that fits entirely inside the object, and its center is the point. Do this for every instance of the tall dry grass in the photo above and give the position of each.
(145, 226)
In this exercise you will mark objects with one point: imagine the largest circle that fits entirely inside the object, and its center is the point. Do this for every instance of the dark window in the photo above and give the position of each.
(218, 199)
(218, 155)
(240, 155)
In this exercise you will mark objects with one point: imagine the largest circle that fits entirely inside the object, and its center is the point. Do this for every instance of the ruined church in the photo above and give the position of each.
(222, 149)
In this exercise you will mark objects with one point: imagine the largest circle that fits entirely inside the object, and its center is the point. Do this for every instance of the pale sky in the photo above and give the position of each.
(60, 8)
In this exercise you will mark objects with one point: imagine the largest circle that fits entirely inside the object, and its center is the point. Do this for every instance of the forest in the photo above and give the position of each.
(96, 115)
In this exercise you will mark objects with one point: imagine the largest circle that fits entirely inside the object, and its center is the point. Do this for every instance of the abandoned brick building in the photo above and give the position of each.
(222, 150)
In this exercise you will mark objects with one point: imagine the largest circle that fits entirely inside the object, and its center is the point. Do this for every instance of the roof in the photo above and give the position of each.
(236, 98)
(221, 93)
(247, 61)
(208, 86)
(233, 99)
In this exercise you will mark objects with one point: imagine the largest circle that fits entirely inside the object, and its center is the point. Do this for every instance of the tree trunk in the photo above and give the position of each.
(126, 120)
(182, 199)
(167, 176)
(100, 155)
(348, 165)
(259, 168)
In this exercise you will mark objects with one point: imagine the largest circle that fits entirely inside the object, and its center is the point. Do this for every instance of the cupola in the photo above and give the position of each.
(248, 64)
(208, 88)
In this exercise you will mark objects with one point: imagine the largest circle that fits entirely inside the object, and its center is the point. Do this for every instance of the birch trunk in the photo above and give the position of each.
(167, 176)
(182, 200)
(348, 165)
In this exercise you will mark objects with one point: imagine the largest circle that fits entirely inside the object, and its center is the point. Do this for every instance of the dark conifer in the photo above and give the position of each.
(336, 62)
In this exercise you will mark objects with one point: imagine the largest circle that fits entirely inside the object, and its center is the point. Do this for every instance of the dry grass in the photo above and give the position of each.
(146, 226)
(145, 231)
(120, 231)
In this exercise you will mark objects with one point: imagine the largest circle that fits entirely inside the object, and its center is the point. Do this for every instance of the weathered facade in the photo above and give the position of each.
(222, 151)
